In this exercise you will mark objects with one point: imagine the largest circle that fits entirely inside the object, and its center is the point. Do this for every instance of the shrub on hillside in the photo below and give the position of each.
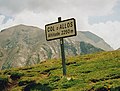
(16, 75)
(3, 82)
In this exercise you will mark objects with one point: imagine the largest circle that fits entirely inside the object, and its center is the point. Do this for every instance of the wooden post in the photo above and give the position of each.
(62, 52)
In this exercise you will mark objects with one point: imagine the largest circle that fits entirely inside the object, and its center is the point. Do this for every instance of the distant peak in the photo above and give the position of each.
(22, 25)
(92, 36)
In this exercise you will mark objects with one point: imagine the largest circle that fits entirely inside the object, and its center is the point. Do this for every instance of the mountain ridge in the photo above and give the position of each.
(26, 45)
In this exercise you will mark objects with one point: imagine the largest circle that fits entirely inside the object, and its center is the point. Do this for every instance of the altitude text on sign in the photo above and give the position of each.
(61, 29)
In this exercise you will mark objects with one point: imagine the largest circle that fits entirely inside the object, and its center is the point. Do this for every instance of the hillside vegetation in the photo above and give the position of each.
(92, 72)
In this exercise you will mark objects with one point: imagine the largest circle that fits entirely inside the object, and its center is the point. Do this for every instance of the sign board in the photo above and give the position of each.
(62, 29)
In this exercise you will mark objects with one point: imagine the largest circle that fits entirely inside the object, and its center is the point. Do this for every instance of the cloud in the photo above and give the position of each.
(50, 10)
(109, 31)
(88, 7)
(1, 19)
(7, 24)
(12, 7)
(41, 12)
(28, 18)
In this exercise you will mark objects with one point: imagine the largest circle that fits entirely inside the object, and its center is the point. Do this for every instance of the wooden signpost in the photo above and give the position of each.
(60, 30)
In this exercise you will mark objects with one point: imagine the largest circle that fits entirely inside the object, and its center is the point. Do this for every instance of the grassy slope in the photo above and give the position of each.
(84, 73)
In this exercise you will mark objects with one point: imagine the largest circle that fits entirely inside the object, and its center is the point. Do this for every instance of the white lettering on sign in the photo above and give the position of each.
(61, 29)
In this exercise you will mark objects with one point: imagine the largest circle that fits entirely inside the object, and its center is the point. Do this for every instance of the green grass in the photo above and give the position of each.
(93, 72)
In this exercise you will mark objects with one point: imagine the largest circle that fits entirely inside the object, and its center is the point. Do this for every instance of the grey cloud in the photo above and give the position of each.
(6, 19)
(83, 6)
(16, 6)
(79, 9)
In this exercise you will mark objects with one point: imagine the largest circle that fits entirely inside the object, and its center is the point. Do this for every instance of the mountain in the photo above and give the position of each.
(93, 39)
(23, 45)
(93, 72)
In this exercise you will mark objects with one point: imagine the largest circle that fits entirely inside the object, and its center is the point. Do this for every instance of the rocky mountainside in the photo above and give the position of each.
(26, 45)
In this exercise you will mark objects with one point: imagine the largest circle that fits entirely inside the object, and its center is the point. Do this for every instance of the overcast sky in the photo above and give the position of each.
(101, 17)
